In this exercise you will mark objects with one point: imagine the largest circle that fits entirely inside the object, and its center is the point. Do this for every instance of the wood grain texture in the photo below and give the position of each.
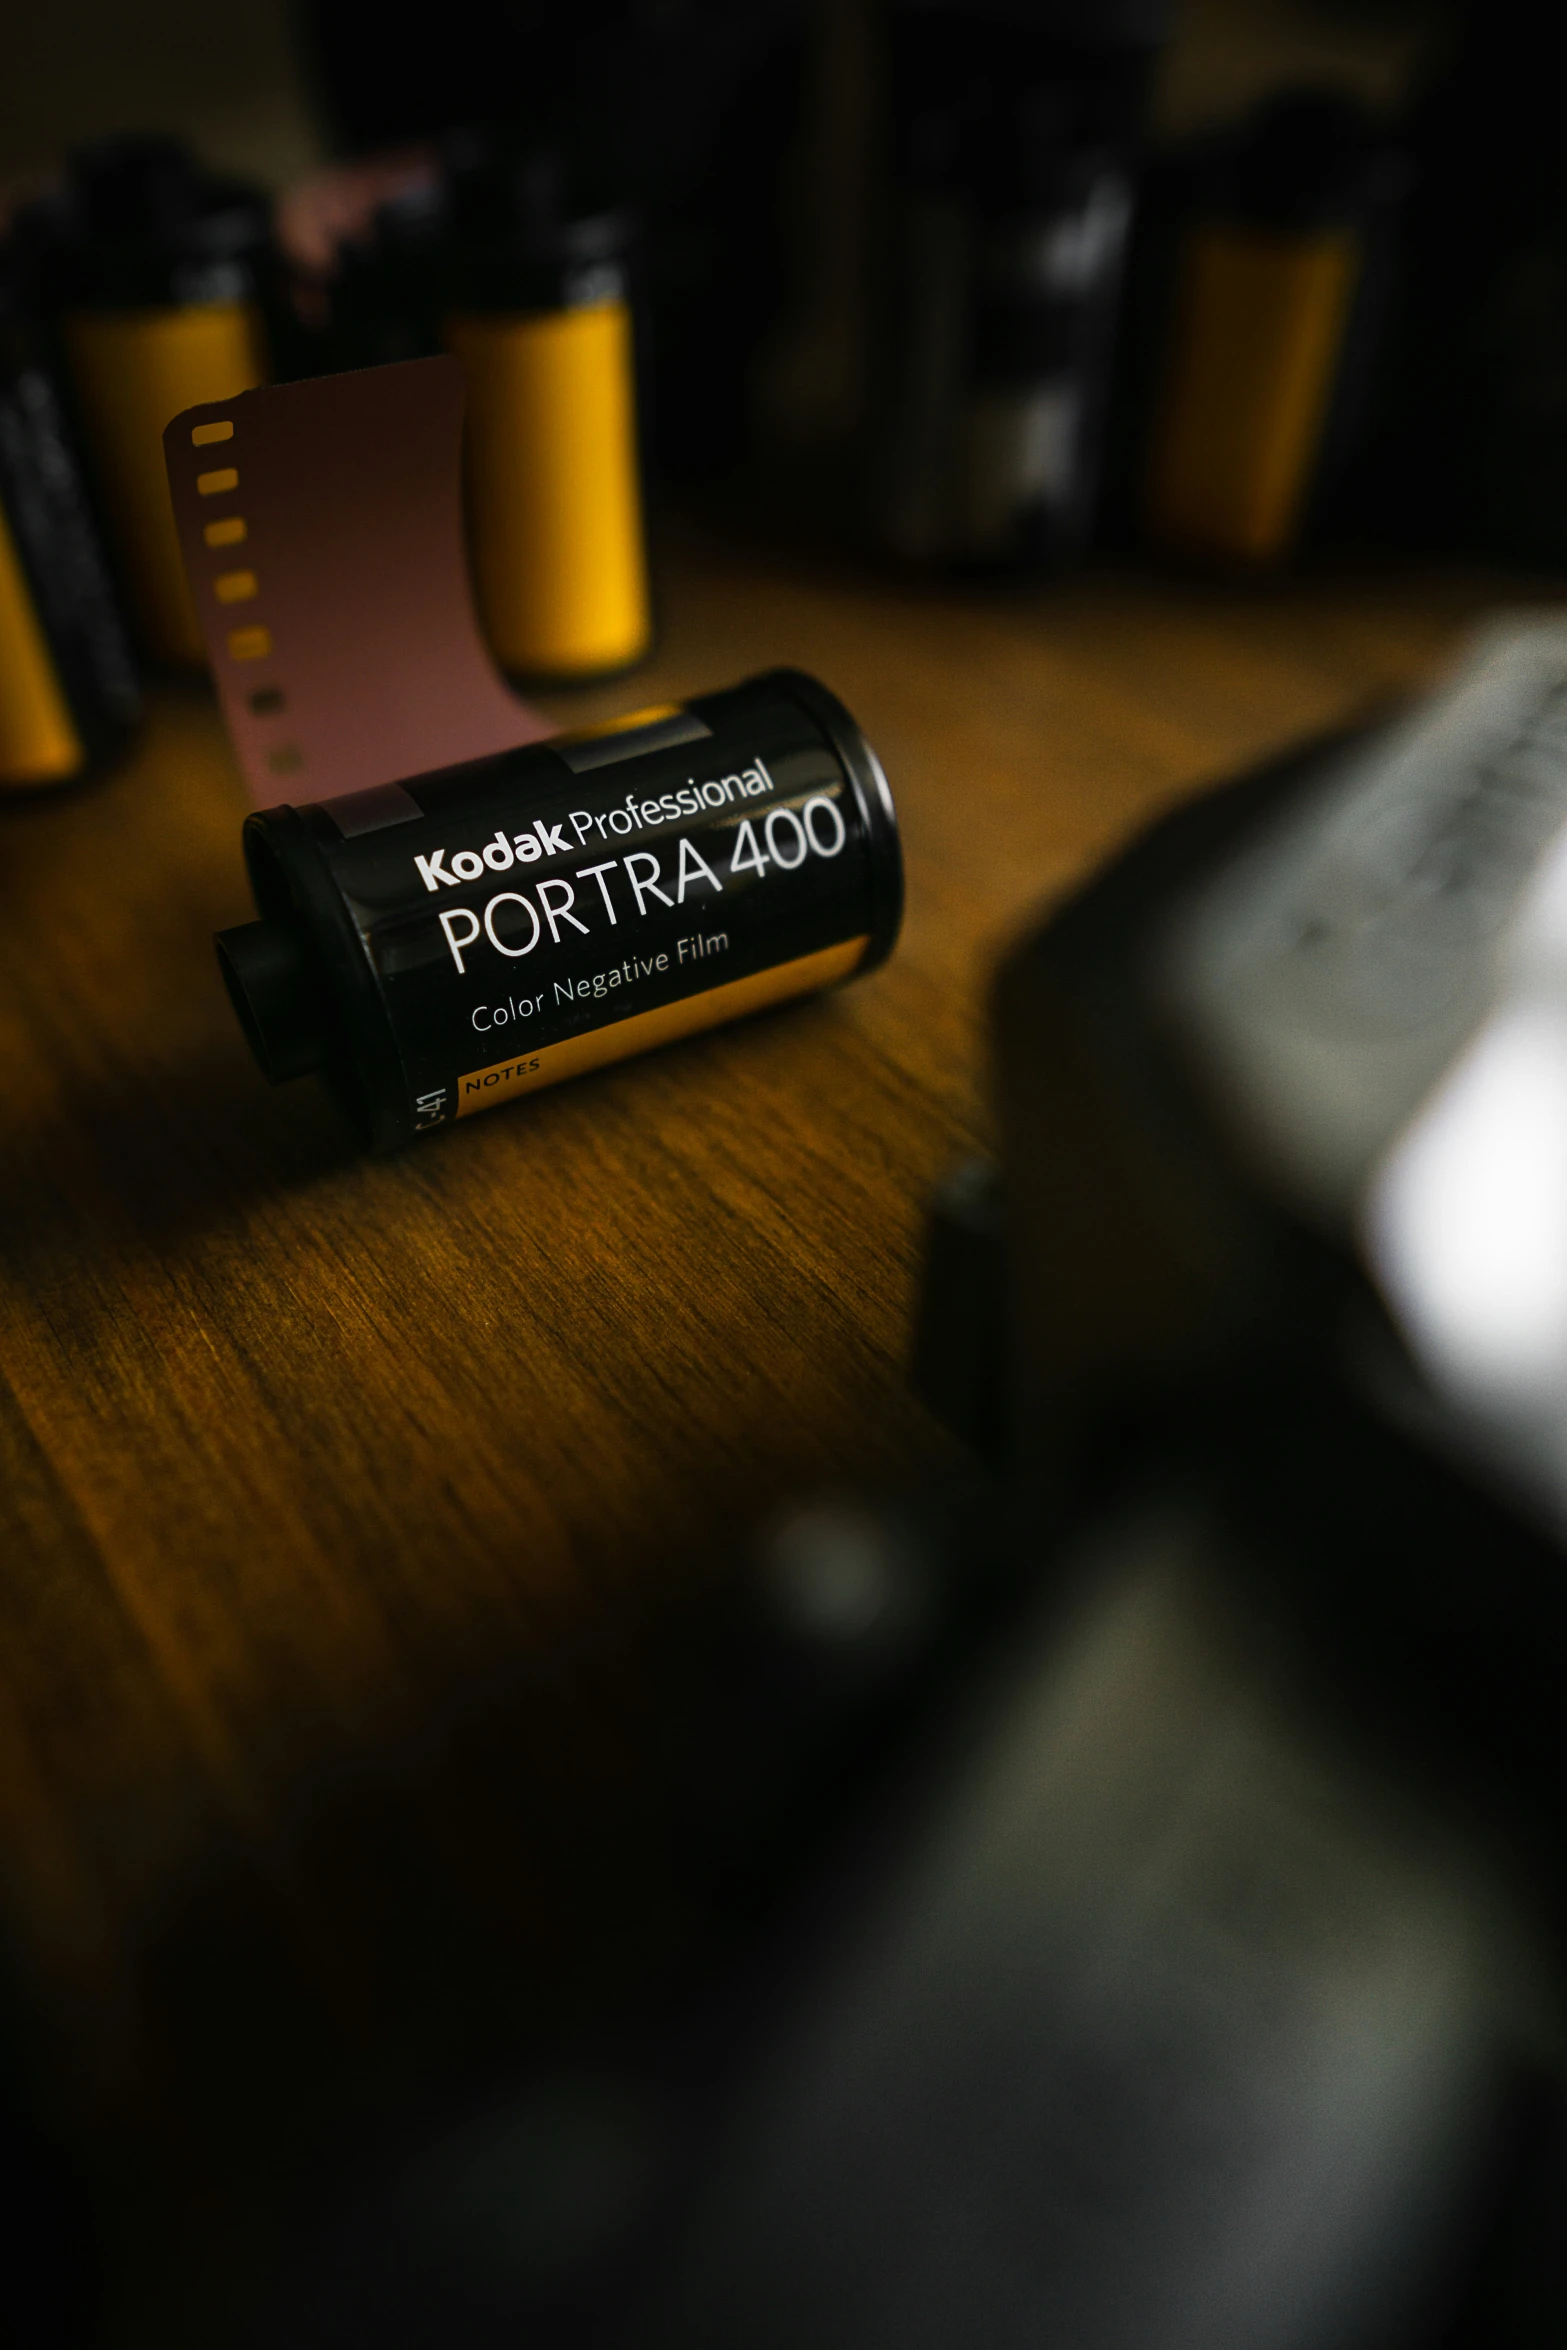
(346, 1504)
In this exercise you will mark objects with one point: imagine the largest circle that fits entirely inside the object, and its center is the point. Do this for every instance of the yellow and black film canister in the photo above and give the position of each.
(1256, 344)
(439, 946)
(69, 697)
(1270, 298)
(535, 299)
(155, 269)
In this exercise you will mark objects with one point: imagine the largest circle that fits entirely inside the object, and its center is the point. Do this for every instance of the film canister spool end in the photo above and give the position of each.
(266, 969)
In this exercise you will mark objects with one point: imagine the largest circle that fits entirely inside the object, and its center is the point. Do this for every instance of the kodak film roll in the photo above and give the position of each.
(444, 944)
(455, 907)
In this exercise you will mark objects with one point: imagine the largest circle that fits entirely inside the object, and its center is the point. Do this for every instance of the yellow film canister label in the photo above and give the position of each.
(554, 488)
(133, 372)
(1259, 323)
(38, 740)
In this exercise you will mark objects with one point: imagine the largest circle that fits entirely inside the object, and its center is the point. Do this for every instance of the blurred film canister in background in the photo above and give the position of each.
(1012, 157)
(538, 308)
(68, 691)
(1279, 302)
(155, 267)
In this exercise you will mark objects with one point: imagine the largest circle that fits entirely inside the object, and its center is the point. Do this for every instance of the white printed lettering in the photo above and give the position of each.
(649, 887)
(558, 911)
(510, 897)
(693, 868)
(448, 921)
(597, 873)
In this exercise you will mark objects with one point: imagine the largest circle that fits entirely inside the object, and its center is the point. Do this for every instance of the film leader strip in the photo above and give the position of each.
(321, 526)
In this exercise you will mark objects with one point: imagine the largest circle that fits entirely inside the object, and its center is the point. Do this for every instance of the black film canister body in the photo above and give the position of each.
(441, 945)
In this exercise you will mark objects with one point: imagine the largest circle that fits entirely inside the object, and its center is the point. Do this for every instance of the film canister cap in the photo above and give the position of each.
(272, 986)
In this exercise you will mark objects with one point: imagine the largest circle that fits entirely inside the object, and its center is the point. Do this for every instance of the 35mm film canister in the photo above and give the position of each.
(69, 697)
(516, 258)
(1279, 307)
(154, 266)
(439, 946)
(540, 315)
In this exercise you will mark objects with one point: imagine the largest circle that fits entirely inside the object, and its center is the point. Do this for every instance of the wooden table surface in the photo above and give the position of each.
(348, 1506)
